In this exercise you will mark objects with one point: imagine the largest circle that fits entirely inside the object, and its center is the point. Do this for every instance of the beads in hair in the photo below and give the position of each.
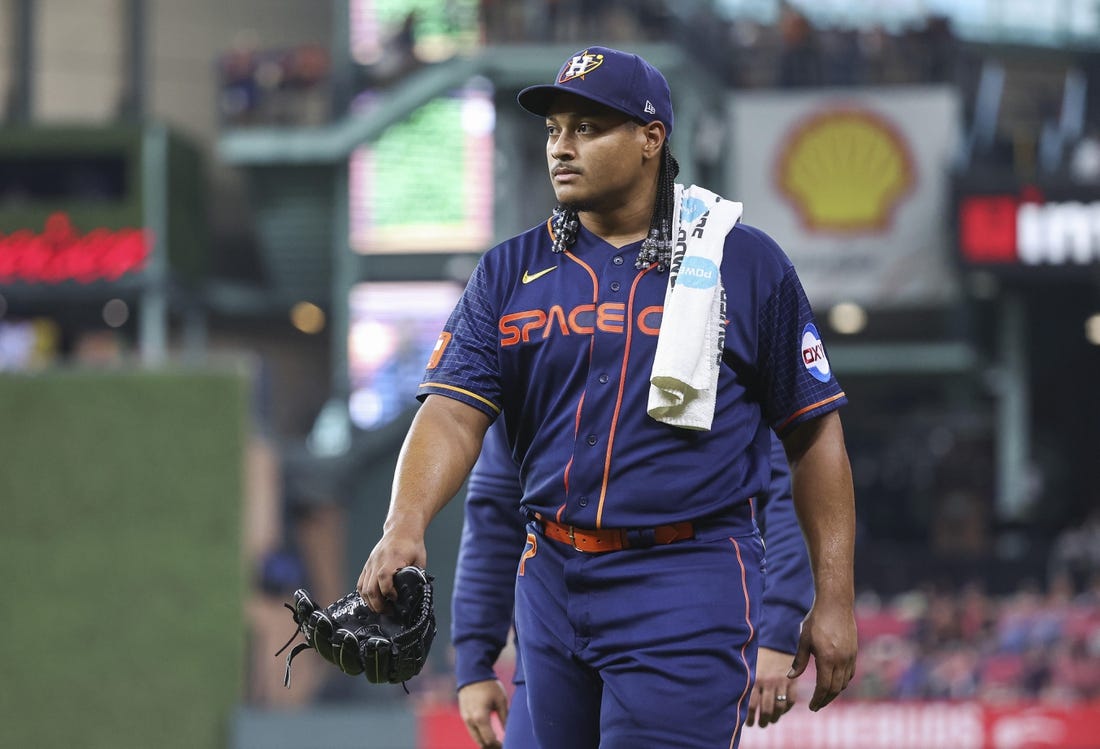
(657, 246)
(565, 225)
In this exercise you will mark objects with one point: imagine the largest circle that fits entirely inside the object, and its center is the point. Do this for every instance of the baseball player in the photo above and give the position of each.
(639, 592)
(492, 539)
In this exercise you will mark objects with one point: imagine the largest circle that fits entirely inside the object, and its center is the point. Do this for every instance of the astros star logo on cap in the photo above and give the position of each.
(580, 66)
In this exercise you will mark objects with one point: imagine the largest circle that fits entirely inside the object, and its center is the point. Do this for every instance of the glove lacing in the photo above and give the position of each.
(297, 648)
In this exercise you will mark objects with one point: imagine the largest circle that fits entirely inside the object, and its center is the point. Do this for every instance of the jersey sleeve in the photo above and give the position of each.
(492, 541)
(788, 582)
(464, 364)
(798, 380)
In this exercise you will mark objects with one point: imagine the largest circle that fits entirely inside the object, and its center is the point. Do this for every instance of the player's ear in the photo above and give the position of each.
(654, 133)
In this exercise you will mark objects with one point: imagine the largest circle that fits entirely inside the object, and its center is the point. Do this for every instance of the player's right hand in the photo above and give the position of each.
(476, 703)
(396, 550)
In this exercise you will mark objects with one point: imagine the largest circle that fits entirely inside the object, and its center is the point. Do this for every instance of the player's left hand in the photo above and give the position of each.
(773, 694)
(829, 634)
(476, 703)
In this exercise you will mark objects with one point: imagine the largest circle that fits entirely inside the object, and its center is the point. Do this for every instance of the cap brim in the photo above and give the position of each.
(537, 99)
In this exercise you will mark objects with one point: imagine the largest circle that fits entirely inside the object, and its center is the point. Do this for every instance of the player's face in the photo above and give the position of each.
(595, 155)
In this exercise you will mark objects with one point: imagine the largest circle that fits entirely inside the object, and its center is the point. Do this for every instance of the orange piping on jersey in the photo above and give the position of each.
(591, 273)
(752, 635)
(801, 411)
(488, 403)
(576, 430)
(619, 397)
(550, 229)
(591, 345)
(557, 515)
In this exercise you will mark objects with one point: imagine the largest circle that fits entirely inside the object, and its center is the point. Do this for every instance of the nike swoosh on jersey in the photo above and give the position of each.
(529, 277)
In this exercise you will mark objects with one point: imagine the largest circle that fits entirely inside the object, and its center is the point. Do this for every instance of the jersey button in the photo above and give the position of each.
(603, 379)
(592, 440)
(614, 285)
(618, 260)
(583, 501)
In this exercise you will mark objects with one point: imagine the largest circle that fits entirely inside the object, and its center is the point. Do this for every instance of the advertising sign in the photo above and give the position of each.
(73, 209)
(879, 725)
(1033, 229)
(854, 186)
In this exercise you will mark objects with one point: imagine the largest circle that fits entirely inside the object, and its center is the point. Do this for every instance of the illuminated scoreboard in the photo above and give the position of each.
(426, 185)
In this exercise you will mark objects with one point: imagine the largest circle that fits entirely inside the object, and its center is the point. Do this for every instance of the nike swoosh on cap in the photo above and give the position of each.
(529, 277)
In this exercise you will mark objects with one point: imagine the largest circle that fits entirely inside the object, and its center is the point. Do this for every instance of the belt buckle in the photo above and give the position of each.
(573, 538)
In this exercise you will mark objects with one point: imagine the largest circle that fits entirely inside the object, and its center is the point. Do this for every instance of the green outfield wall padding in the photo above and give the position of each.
(120, 525)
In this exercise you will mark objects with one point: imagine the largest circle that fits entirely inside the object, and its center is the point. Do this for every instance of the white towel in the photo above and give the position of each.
(684, 379)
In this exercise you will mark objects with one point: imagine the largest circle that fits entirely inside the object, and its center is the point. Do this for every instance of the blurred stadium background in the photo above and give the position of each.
(230, 231)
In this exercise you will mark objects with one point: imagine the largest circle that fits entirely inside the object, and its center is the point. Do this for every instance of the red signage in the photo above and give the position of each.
(60, 253)
(987, 228)
(876, 725)
(1000, 229)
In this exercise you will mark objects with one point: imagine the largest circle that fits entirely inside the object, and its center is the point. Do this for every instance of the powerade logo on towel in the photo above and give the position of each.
(813, 353)
(698, 273)
(691, 209)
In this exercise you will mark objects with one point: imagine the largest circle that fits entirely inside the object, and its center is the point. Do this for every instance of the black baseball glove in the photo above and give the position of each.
(388, 647)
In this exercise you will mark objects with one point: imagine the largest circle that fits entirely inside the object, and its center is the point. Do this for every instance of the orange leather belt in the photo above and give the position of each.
(616, 539)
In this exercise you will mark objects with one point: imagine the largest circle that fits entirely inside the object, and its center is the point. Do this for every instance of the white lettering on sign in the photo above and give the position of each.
(876, 726)
(1058, 233)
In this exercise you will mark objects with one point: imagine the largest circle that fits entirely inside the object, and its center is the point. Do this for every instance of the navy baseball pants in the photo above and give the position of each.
(641, 647)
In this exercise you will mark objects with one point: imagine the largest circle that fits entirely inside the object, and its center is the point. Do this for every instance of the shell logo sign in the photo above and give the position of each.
(845, 171)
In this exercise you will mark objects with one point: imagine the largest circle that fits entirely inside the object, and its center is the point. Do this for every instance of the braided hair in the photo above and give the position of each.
(657, 246)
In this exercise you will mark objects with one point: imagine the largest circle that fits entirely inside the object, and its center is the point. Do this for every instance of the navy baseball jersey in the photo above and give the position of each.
(563, 345)
(493, 538)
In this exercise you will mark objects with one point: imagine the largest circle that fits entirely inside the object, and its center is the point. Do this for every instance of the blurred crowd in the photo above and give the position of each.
(295, 86)
(742, 53)
(936, 644)
(271, 86)
(280, 86)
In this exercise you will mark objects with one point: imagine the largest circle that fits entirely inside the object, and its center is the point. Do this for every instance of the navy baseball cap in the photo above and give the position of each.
(617, 79)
